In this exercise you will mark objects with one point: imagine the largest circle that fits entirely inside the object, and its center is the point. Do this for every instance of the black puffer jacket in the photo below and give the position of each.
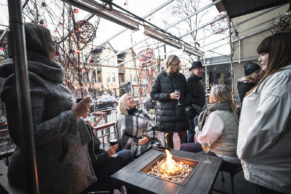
(243, 87)
(171, 117)
(197, 94)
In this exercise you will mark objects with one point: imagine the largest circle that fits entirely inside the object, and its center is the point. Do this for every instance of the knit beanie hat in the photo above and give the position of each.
(251, 67)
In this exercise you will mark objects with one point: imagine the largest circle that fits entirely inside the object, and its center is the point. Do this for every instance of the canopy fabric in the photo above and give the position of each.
(235, 8)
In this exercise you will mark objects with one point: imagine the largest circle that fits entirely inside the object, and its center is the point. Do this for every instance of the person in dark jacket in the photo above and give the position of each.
(105, 163)
(171, 116)
(252, 77)
(197, 96)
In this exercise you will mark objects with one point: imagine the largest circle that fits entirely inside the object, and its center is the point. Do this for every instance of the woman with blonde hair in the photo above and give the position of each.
(265, 126)
(170, 90)
(217, 126)
(134, 126)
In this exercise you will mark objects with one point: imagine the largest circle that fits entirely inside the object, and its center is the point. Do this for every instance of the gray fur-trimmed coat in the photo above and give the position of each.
(61, 141)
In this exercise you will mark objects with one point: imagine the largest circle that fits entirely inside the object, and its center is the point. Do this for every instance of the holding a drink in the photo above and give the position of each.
(217, 129)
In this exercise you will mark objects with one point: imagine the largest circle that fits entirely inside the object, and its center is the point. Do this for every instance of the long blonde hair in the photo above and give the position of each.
(223, 94)
(122, 107)
(170, 61)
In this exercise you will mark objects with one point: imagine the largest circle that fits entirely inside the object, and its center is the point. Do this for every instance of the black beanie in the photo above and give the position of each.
(250, 68)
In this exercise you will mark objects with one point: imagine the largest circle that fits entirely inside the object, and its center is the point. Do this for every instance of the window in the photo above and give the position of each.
(93, 77)
(113, 78)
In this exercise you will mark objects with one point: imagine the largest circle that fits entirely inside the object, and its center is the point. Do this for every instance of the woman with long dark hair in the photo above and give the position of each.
(61, 135)
(265, 124)
(170, 90)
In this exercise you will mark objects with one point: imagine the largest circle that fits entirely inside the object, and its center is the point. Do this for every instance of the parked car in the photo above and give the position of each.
(106, 102)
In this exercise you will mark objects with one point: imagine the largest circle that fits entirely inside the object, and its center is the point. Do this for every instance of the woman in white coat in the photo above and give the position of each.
(265, 124)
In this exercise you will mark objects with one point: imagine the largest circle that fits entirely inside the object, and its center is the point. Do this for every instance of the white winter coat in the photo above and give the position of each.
(264, 140)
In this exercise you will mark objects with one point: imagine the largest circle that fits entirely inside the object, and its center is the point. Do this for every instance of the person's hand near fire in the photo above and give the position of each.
(143, 141)
(112, 150)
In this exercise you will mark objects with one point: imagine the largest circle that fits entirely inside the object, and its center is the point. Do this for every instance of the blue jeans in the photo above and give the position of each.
(193, 123)
(191, 132)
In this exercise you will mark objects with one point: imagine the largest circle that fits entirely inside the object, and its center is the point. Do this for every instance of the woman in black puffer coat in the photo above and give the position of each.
(171, 116)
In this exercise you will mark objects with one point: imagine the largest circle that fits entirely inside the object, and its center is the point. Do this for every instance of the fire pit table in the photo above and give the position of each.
(196, 176)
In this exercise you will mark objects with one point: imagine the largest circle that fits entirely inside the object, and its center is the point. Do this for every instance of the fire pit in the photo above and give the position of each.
(170, 168)
(142, 175)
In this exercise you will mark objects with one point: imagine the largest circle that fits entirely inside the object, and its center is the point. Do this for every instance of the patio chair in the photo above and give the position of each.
(232, 169)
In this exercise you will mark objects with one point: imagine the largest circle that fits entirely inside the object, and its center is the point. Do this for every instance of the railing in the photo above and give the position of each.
(104, 125)
(6, 145)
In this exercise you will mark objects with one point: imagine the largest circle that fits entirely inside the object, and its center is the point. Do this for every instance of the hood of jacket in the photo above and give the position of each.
(37, 64)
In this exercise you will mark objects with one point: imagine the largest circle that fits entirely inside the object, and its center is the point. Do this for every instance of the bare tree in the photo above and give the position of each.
(73, 37)
(183, 9)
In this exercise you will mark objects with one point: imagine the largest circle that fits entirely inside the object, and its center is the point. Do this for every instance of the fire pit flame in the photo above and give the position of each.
(171, 170)
(170, 166)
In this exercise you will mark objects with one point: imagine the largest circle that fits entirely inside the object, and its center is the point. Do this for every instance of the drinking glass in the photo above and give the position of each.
(177, 91)
(113, 141)
(206, 147)
(81, 92)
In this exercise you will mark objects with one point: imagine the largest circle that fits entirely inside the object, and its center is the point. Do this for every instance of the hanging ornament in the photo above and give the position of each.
(43, 4)
(91, 61)
(124, 3)
(76, 10)
(85, 31)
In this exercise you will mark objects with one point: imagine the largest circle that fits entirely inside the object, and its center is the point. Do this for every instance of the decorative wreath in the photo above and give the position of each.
(85, 31)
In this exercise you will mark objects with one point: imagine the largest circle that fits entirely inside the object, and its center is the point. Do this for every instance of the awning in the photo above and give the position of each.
(235, 8)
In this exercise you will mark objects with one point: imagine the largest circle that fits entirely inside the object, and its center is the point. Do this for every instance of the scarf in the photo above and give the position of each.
(210, 108)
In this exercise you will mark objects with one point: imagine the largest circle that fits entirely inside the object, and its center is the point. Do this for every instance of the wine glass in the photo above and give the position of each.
(113, 141)
(206, 148)
(81, 92)
(177, 91)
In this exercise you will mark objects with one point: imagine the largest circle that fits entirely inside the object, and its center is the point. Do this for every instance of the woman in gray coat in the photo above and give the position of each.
(61, 136)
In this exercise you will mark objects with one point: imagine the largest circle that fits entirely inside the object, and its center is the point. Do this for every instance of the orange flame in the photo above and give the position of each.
(170, 166)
